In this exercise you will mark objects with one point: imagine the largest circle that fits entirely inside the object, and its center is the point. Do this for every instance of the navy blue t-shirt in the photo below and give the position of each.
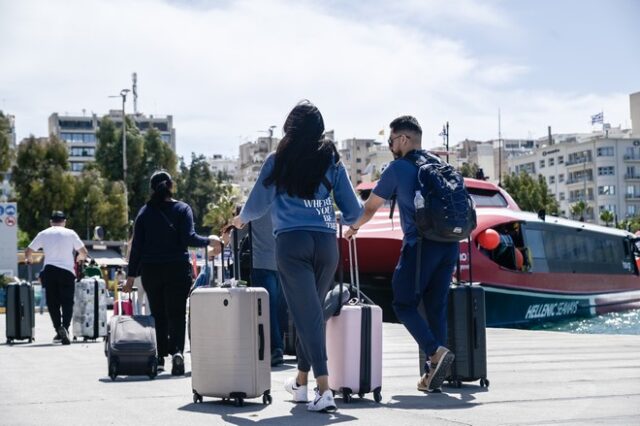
(160, 239)
(401, 178)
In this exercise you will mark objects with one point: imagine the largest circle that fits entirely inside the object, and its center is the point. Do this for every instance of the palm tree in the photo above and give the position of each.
(578, 209)
(606, 216)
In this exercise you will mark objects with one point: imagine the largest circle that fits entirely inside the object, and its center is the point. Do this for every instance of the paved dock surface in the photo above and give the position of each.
(536, 377)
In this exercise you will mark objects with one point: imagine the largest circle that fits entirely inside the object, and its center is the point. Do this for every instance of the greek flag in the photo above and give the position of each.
(598, 118)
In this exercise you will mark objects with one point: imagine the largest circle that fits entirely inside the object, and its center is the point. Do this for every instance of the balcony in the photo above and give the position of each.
(635, 196)
(632, 158)
(576, 199)
(580, 162)
(632, 177)
(579, 180)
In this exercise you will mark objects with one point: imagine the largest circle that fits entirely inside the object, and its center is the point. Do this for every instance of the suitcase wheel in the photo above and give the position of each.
(197, 397)
(113, 370)
(346, 396)
(377, 396)
(267, 399)
(75, 339)
(484, 383)
(153, 368)
(9, 341)
(30, 339)
(239, 402)
(361, 395)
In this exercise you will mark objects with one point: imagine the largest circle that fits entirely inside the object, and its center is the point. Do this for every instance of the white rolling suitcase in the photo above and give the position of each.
(354, 343)
(230, 342)
(90, 309)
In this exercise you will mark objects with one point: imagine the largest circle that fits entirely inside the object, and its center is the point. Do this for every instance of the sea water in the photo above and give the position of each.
(627, 322)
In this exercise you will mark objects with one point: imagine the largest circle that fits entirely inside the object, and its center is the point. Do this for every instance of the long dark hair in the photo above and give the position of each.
(161, 185)
(303, 155)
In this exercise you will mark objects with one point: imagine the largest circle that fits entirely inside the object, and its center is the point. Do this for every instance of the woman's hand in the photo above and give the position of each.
(237, 222)
(350, 232)
(216, 245)
(128, 286)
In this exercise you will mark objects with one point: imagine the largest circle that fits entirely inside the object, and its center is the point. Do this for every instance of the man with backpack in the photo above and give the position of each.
(427, 260)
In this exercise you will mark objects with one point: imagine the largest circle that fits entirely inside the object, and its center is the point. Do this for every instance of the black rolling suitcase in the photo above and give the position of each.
(466, 331)
(130, 345)
(20, 314)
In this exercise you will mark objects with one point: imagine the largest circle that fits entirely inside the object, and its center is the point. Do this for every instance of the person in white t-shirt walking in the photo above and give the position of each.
(58, 274)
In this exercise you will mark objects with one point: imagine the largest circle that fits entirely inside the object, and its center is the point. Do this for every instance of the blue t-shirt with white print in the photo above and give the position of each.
(293, 213)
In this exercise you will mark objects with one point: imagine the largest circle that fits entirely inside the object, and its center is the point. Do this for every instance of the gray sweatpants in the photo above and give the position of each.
(307, 262)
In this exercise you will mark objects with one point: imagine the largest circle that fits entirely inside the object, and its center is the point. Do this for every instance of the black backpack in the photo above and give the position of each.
(449, 212)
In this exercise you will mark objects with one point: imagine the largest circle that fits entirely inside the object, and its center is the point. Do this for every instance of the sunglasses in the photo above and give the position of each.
(390, 141)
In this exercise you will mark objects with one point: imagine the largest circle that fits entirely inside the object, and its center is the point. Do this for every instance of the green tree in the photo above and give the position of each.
(41, 181)
(145, 154)
(198, 187)
(578, 210)
(98, 201)
(5, 145)
(530, 194)
(222, 209)
(607, 217)
(469, 170)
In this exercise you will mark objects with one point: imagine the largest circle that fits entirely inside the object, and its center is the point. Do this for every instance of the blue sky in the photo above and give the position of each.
(227, 70)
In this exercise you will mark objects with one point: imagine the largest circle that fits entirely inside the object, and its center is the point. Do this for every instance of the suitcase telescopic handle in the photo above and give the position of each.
(353, 266)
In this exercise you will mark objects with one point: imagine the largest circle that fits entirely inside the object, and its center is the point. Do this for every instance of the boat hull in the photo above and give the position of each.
(521, 308)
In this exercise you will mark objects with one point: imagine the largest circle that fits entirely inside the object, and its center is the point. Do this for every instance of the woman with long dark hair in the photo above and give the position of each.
(162, 233)
(296, 183)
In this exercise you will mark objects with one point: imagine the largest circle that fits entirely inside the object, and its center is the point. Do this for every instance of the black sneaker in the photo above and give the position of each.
(160, 363)
(57, 338)
(64, 336)
(177, 368)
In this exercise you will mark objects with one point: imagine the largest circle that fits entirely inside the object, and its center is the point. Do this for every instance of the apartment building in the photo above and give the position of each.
(354, 153)
(602, 169)
(79, 132)
(223, 166)
(251, 157)
(491, 156)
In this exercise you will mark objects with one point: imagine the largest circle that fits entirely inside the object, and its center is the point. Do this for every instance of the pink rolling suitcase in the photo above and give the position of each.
(354, 342)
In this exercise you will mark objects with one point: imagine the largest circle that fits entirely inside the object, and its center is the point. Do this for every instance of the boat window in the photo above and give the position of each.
(487, 198)
(535, 244)
(556, 248)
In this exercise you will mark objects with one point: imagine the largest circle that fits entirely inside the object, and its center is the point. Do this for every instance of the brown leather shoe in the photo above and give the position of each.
(441, 360)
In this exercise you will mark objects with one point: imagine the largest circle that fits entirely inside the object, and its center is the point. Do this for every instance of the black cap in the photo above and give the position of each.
(58, 216)
(158, 177)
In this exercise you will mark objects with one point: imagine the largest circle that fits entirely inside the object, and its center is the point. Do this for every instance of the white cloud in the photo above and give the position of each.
(227, 72)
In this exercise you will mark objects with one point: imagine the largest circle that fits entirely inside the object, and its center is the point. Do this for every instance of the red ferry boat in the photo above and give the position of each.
(544, 269)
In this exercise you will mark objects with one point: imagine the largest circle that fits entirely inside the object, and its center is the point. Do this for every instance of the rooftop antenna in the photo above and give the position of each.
(135, 93)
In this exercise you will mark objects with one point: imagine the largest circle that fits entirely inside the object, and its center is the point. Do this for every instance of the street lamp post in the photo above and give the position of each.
(86, 216)
(445, 137)
(123, 94)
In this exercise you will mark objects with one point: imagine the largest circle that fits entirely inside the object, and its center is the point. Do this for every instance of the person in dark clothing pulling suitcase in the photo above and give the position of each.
(296, 183)
(264, 273)
(162, 232)
(438, 259)
(58, 274)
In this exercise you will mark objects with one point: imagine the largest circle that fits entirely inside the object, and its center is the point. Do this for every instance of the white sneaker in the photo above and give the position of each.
(323, 402)
(299, 392)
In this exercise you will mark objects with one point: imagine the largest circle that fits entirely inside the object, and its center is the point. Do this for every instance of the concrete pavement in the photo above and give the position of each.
(537, 377)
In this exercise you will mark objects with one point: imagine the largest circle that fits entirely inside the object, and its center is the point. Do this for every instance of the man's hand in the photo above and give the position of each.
(128, 285)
